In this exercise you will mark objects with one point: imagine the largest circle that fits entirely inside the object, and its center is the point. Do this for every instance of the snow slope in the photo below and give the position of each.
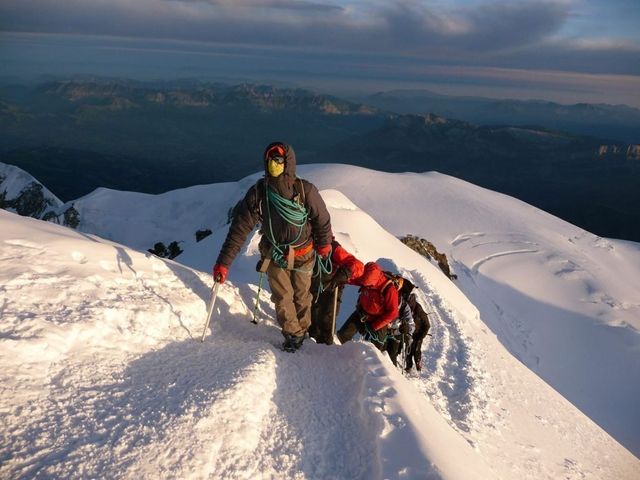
(139, 220)
(103, 376)
(564, 302)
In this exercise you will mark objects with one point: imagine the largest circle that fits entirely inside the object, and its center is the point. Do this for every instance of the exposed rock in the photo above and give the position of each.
(633, 152)
(22, 194)
(28, 198)
(630, 152)
(170, 252)
(428, 250)
(71, 217)
(202, 234)
(607, 150)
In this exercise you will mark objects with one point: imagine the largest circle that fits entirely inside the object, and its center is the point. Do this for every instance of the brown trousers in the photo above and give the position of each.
(291, 294)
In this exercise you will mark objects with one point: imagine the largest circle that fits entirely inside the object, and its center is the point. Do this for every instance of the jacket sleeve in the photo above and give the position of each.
(318, 216)
(246, 217)
(390, 311)
(342, 258)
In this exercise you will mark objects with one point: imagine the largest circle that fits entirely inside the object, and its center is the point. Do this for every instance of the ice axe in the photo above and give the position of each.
(404, 351)
(255, 308)
(335, 310)
(214, 295)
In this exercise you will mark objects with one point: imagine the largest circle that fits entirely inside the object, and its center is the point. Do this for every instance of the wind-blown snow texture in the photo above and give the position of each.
(103, 374)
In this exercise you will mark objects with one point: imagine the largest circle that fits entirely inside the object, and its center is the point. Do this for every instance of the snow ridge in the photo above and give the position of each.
(103, 374)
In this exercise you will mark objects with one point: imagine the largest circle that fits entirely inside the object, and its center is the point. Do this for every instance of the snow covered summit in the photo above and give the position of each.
(103, 374)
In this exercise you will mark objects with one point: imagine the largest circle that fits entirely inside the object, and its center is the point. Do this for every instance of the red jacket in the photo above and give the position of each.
(341, 258)
(378, 297)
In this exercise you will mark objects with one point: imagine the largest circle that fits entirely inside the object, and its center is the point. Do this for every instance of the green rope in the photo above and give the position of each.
(373, 336)
(322, 267)
(297, 215)
(290, 211)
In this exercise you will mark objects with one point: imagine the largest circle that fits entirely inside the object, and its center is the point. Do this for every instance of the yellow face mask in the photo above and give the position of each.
(275, 169)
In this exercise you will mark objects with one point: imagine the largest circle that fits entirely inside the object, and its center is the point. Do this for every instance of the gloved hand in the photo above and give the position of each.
(341, 277)
(324, 251)
(220, 273)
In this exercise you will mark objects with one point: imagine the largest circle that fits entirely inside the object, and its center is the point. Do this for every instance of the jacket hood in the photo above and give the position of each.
(284, 183)
(372, 276)
(407, 289)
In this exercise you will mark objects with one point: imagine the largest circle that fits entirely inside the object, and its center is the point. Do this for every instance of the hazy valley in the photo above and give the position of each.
(79, 135)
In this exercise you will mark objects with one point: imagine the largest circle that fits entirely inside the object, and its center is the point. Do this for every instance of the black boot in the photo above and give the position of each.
(292, 342)
(408, 363)
(419, 364)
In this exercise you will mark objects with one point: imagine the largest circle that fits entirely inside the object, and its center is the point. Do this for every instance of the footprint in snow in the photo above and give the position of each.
(79, 257)
(387, 392)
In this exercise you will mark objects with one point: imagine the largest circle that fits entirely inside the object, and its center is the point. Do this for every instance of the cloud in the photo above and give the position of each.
(597, 56)
(269, 4)
(500, 33)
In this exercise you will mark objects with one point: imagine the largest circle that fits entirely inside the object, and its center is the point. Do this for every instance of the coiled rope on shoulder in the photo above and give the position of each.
(296, 215)
(291, 212)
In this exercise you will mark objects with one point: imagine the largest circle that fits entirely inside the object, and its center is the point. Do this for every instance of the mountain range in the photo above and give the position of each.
(618, 122)
(78, 135)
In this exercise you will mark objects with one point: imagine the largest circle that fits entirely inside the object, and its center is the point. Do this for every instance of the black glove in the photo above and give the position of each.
(341, 277)
(404, 328)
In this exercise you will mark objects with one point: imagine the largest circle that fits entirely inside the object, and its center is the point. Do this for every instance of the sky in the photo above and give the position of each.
(561, 50)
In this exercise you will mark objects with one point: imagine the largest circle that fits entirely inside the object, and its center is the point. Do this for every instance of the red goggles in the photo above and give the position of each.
(276, 153)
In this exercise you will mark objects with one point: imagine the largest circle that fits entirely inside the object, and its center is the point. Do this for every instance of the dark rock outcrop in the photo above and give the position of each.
(22, 194)
(163, 251)
(428, 250)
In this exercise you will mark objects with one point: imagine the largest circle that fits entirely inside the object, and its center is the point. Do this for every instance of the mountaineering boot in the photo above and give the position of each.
(292, 342)
(419, 364)
(408, 363)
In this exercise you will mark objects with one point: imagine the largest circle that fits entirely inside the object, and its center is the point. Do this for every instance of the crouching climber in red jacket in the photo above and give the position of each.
(377, 307)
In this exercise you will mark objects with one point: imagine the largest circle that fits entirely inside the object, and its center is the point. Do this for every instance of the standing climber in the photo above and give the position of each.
(401, 329)
(421, 319)
(295, 228)
(327, 292)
